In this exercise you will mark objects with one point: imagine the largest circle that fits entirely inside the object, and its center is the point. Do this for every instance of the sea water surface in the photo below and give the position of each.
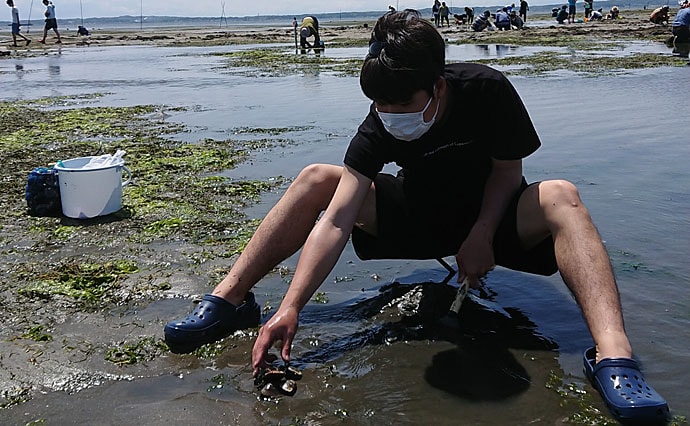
(622, 142)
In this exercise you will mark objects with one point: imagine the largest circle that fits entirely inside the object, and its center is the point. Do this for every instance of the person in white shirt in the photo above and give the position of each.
(16, 24)
(51, 22)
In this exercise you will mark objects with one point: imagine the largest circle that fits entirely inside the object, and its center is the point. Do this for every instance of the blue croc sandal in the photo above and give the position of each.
(213, 319)
(629, 398)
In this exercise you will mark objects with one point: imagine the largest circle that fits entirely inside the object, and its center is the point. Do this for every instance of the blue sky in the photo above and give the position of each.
(103, 8)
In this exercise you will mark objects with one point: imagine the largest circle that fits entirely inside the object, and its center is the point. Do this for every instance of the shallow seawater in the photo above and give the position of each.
(622, 142)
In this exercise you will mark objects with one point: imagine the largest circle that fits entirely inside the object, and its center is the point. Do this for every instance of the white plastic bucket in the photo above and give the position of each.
(87, 193)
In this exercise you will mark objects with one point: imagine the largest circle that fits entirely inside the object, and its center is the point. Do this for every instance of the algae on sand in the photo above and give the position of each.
(180, 216)
(582, 62)
(276, 62)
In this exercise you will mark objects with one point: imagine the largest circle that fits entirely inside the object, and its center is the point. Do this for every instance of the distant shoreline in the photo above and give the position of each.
(541, 29)
(334, 18)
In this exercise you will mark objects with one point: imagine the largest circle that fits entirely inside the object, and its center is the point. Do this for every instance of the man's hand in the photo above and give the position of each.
(476, 254)
(281, 327)
(475, 258)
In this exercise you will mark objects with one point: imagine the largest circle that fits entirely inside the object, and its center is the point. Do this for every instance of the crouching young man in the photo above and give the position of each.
(460, 194)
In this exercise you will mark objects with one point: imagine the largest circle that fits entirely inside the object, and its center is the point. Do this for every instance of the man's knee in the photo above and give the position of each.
(316, 174)
(559, 194)
(318, 180)
(548, 206)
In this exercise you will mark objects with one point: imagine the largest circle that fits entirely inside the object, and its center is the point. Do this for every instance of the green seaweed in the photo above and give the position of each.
(276, 62)
(573, 396)
(268, 130)
(176, 191)
(88, 283)
(219, 381)
(215, 349)
(539, 38)
(542, 63)
(37, 334)
(11, 397)
(145, 349)
(320, 297)
(678, 420)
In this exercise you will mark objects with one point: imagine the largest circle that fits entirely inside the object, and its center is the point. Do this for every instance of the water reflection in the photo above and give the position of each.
(19, 71)
(497, 51)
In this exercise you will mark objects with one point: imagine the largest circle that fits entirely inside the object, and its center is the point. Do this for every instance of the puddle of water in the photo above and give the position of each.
(615, 137)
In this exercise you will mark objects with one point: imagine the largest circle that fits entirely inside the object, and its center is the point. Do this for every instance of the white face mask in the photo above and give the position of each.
(407, 126)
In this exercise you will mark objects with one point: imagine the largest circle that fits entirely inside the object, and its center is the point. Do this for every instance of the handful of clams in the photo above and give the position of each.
(273, 382)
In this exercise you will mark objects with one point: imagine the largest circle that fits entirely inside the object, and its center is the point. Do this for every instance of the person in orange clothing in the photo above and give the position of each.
(660, 15)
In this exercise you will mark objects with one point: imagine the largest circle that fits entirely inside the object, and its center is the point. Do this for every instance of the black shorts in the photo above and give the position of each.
(682, 34)
(51, 24)
(406, 231)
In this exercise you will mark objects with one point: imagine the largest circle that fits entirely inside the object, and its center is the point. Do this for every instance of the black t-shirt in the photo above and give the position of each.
(484, 119)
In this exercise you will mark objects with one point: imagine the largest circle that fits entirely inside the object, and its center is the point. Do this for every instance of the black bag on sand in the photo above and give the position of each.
(43, 193)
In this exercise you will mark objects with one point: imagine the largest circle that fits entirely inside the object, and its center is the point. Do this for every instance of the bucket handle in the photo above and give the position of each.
(129, 176)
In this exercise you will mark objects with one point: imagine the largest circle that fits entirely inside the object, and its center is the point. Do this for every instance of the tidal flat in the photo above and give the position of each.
(214, 130)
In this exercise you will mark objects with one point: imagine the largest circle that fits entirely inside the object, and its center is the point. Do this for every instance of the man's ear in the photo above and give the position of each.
(441, 86)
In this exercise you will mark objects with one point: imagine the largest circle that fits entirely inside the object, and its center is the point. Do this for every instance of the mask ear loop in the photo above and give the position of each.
(434, 91)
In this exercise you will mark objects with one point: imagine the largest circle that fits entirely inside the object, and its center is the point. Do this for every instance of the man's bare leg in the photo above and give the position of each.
(283, 231)
(555, 207)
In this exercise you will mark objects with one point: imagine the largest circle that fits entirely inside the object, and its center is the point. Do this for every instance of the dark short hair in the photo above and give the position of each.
(406, 54)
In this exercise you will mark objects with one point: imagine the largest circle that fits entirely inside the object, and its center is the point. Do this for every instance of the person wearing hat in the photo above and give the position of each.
(502, 19)
(613, 13)
(660, 15)
(681, 24)
(309, 27)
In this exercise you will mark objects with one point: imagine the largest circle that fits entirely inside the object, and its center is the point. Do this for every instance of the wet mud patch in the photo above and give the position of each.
(71, 290)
